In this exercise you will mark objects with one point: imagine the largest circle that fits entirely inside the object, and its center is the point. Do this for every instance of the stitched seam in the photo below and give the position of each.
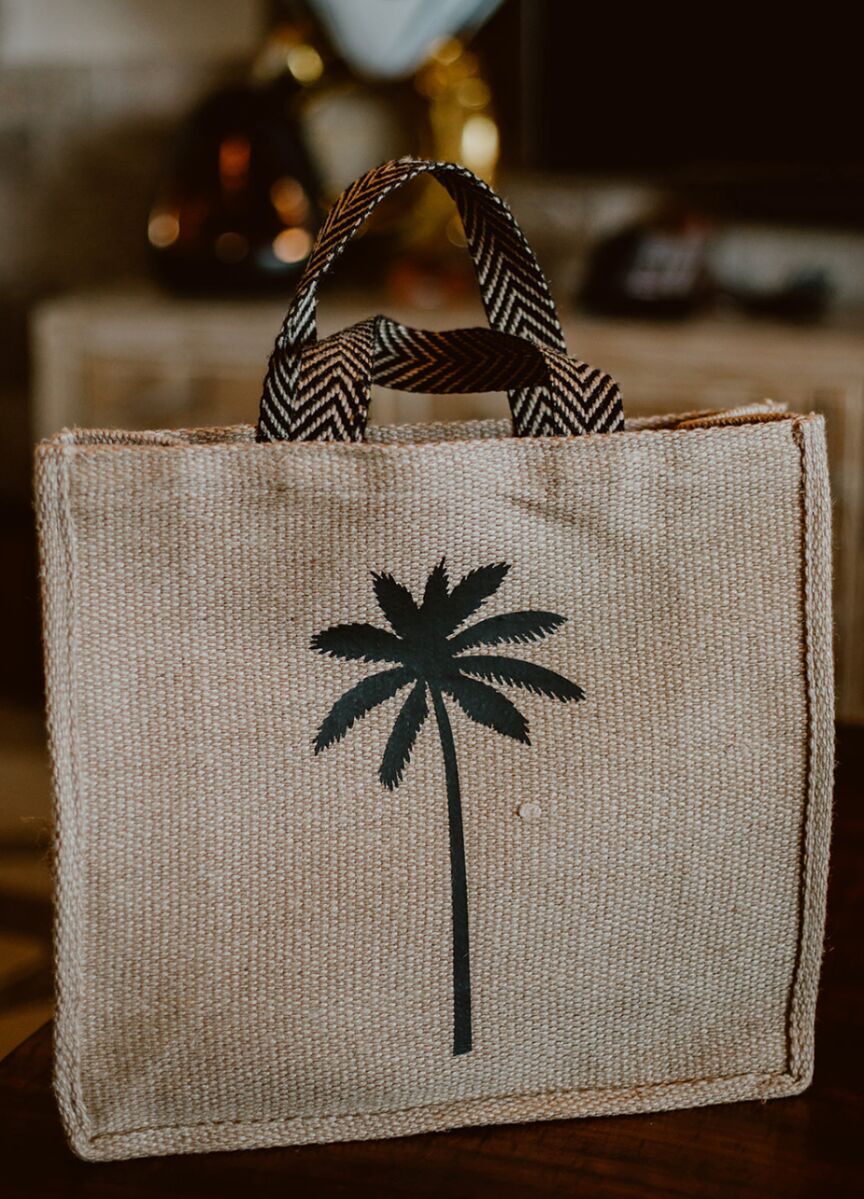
(421, 1107)
(793, 1036)
(70, 1003)
(531, 444)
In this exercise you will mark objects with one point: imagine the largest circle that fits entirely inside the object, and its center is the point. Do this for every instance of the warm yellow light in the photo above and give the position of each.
(231, 247)
(289, 200)
(472, 93)
(292, 245)
(447, 51)
(163, 228)
(305, 64)
(479, 142)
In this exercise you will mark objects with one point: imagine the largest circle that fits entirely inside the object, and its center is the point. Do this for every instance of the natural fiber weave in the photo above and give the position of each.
(253, 941)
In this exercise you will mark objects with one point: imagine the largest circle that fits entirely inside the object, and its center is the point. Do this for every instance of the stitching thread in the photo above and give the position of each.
(639, 1089)
(536, 444)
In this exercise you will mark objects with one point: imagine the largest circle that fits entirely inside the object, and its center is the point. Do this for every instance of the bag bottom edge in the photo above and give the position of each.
(226, 1136)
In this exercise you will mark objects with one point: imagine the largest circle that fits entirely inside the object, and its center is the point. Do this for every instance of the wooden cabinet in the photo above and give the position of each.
(144, 360)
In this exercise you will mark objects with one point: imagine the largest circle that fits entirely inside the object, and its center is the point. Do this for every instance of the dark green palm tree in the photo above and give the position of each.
(428, 654)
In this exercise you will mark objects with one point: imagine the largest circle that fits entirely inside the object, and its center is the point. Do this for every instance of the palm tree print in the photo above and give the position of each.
(424, 650)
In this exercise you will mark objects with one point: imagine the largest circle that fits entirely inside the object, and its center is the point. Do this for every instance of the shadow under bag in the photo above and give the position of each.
(421, 776)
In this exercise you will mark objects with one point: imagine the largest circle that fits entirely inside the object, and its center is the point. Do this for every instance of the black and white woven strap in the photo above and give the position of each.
(576, 397)
(299, 403)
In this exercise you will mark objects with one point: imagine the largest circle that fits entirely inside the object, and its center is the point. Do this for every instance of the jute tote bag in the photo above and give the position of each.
(429, 776)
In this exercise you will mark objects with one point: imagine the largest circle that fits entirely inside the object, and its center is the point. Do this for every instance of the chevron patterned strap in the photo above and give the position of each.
(577, 398)
(320, 390)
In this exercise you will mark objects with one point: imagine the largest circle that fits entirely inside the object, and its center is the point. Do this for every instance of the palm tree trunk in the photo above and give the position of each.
(458, 885)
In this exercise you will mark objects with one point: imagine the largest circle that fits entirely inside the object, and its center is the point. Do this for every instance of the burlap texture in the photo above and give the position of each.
(254, 942)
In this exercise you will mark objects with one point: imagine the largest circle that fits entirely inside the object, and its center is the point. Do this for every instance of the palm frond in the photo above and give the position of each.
(356, 702)
(404, 733)
(359, 641)
(397, 603)
(512, 672)
(436, 599)
(519, 627)
(473, 590)
(487, 706)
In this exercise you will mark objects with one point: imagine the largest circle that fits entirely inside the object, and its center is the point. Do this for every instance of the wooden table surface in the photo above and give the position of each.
(809, 1146)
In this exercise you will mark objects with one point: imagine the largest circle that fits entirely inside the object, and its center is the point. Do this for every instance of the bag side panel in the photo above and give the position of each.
(57, 585)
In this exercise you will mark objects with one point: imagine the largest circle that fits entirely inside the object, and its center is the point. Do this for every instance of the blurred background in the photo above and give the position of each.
(693, 187)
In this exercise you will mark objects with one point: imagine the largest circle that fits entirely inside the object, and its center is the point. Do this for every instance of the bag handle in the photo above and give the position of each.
(513, 289)
(451, 362)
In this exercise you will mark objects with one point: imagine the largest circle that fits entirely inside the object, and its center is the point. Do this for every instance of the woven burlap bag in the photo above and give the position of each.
(253, 940)
(442, 777)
